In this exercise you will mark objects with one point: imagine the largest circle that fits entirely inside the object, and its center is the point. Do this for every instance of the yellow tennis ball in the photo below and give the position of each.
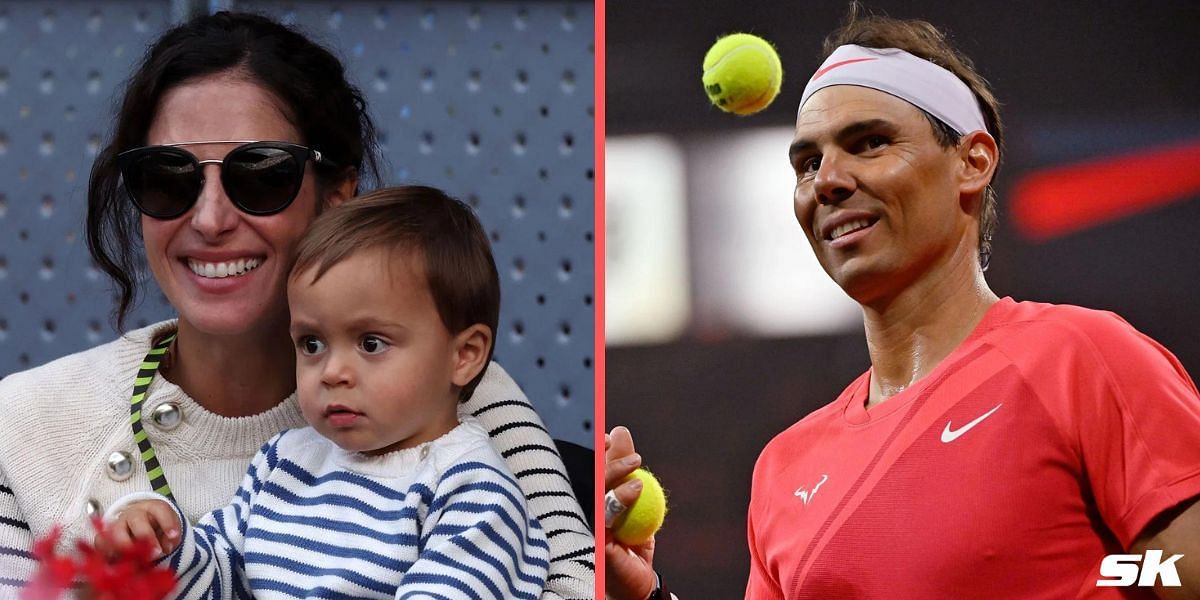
(742, 73)
(645, 517)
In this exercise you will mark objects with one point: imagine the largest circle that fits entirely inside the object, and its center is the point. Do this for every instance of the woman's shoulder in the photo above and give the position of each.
(497, 384)
(93, 373)
(498, 390)
(55, 417)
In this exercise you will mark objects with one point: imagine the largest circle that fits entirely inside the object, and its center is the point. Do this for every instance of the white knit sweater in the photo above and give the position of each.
(60, 422)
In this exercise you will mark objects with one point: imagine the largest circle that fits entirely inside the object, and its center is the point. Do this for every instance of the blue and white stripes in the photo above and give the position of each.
(443, 520)
(60, 421)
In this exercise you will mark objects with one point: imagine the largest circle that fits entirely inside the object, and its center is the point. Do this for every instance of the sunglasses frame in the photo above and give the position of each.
(299, 153)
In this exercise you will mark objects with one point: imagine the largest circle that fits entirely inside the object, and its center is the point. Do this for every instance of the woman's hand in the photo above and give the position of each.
(628, 570)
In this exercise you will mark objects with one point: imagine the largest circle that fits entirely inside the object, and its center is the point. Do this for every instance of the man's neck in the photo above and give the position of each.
(910, 333)
(234, 376)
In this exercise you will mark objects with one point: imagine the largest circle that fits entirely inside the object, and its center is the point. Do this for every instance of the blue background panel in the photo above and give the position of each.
(492, 102)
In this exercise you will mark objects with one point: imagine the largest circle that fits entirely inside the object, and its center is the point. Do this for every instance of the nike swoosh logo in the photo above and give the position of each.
(949, 435)
(835, 65)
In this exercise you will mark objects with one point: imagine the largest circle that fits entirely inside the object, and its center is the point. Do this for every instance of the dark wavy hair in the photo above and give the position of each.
(921, 38)
(329, 112)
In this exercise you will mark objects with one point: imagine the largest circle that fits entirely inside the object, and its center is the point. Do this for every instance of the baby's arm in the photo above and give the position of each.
(481, 540)
(207, 557)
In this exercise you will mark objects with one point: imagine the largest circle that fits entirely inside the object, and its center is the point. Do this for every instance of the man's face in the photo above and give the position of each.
(876, 195)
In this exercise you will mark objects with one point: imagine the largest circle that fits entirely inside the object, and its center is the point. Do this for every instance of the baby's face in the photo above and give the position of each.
(375, 366)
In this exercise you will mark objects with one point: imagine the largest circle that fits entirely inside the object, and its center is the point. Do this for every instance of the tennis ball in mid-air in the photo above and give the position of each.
(641, 520)
(742, 73)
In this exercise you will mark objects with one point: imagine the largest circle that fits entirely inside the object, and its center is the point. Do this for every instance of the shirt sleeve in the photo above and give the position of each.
(210, 560)
(761, 585)
(16, 542)
(518, 434)
(478, 541)
(1138, 425)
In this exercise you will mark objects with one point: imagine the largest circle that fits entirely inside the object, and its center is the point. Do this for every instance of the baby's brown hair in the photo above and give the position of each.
(442, 232)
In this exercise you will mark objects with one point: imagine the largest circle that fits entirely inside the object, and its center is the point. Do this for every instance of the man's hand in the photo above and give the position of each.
(628, 571)
(151, 522)
(1176, 532)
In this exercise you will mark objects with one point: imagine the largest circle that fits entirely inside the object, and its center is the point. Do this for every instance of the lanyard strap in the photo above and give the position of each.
(158, 481)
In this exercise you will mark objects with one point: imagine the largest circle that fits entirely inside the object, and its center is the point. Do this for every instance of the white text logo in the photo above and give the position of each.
(1122, 569)
(805, 496)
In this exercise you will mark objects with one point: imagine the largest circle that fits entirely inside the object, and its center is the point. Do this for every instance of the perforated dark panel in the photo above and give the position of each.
(492, 102)
(60, 62)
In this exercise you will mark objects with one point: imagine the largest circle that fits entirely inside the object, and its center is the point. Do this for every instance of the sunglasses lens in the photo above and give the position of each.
(163, 184)
(262, 180)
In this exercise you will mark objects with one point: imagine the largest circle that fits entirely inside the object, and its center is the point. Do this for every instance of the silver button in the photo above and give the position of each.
(93, 508)
(167, 416)
(120, 466)
(424, 452)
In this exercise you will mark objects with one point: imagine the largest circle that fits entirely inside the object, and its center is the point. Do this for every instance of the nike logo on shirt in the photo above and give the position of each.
(949, 435)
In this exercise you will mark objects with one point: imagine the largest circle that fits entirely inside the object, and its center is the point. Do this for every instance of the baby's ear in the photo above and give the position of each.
(471, 347)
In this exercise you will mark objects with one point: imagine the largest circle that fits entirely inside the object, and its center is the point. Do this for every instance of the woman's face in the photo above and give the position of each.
(225, 271)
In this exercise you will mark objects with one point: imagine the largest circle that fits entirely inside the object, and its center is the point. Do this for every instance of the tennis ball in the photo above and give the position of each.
(742, 73)
(642, 520)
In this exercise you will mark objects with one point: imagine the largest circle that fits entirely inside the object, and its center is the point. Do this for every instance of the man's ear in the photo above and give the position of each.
(471, 347)
(979, 158)
(342, 191)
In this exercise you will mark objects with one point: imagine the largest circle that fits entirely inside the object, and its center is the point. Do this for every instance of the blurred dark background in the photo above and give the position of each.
(1079, 82)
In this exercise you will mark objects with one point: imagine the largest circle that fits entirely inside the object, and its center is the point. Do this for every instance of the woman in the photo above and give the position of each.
(234, 133)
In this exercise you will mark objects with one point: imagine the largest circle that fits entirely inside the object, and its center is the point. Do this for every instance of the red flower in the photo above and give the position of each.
(131, 575)
(55, 573)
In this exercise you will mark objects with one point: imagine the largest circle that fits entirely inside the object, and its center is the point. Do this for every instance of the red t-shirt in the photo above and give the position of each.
(1047, 440)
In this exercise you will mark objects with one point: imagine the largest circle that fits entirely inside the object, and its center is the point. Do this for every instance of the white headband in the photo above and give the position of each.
(915, 80)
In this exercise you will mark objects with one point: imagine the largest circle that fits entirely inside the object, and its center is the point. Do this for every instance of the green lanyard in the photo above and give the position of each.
(145, 375)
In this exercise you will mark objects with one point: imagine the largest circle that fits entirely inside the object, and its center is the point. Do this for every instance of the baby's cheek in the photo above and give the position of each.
(307, 387)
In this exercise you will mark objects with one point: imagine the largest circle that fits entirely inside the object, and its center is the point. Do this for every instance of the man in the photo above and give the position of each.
(994, 448)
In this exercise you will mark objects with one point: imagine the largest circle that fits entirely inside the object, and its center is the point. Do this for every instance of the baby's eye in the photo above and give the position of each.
(310, 345)
(373, 345)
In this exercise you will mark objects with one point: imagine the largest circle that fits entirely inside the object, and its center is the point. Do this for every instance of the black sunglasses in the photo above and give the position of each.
(261, 178)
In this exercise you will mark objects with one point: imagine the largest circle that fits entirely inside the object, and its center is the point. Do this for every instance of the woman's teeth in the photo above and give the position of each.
(223, 269)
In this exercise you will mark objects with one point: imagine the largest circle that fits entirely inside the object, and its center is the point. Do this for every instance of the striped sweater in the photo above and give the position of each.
(59, 422)
(443, 520)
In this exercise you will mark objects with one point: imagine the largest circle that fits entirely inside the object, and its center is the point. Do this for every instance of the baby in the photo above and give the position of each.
(390, 493)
